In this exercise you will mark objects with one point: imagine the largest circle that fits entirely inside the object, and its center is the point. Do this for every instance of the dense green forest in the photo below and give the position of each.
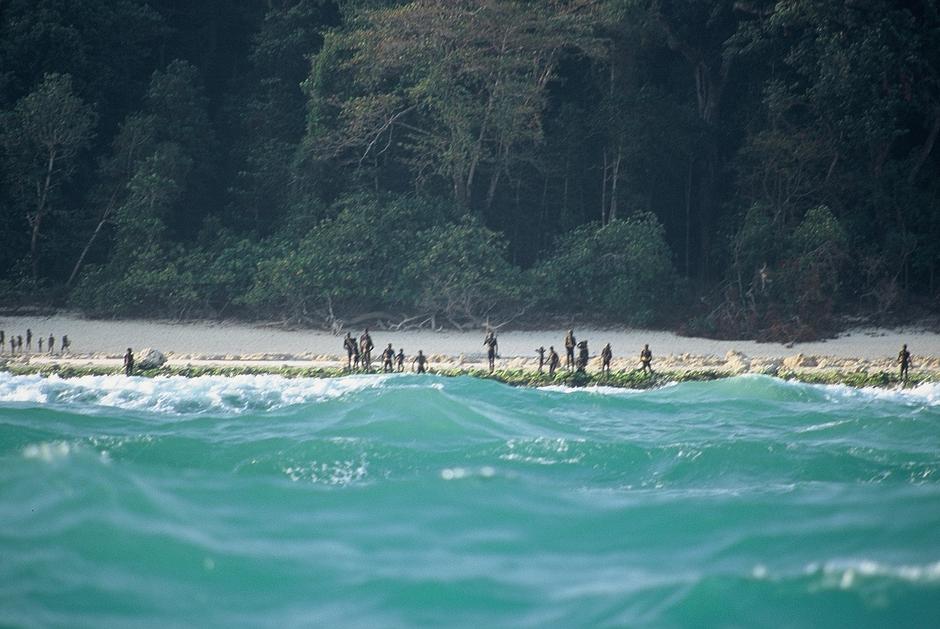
(726, 167)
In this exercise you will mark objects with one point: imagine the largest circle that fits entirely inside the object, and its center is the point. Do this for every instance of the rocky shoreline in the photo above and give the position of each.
(513, 371)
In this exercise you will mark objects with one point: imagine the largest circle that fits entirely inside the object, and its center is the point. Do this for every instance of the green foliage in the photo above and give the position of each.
(270, 159)
(387, 253)
(41, 141)
(201, 281)
(622, 271)
(106, 46)
(450, 87)
(515, 377)
(176, 100)
(785, 282)
(813, 272)
(351, 261)
(460, 270)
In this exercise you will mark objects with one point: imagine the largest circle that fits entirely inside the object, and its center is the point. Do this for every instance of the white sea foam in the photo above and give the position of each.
(180, 395)
(541, 451)
(48, 451)
(824, 426)
(458, 473)
(594, 389)
(845, 573)
(345, 472)
(926, 393)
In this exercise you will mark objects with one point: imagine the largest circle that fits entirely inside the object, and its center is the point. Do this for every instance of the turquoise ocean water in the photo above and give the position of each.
(400, 501)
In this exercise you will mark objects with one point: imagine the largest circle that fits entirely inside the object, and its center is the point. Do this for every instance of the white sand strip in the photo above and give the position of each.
(194, 340)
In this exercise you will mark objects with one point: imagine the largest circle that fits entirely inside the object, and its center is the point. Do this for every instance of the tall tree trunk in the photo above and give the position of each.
(707, 191)
(832, 167)
(927, 147)
(541, 229)
(709, 89)
(501, 165)
(461, 196)
(688, 214)
(612, 215)
(494, 184)
(710, 80)
(881, 156)
(35, 221)
(34, 246)
(91, 241)
(564, 194)
(604, 191)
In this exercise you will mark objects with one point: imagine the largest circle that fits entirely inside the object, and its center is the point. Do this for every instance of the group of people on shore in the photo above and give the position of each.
(580, 362)
(359, 355)
(17, 346)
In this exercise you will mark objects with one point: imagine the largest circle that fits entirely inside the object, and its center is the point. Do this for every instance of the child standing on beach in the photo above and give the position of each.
(553, 360)
(420, 361)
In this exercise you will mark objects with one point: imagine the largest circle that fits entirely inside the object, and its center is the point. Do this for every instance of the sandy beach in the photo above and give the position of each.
(206, 343)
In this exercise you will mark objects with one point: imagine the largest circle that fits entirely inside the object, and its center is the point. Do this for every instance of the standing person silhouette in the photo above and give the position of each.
(419, 362)
(129, 362)
(51, 344)
(400, 359)
(553, 360)
(388, 359)
(583, 355)
(541, 352)
(365, 348)
(606, 355)
(570, 344)
(29, 340)
(904, 360)
(646, 358)
(349, 343)
(492, 348)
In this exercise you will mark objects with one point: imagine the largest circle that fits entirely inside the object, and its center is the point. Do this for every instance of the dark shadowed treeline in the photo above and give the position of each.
(732, 168)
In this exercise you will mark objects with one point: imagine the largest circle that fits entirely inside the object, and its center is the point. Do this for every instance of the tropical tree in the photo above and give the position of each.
(451, 90)
(42, 139)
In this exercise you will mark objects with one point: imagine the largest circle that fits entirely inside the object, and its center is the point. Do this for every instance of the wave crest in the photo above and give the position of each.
(178, 395)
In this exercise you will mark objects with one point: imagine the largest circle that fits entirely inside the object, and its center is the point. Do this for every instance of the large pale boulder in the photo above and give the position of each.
(737, 362)
(149, 358)
(794, 362)
(769, 367)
